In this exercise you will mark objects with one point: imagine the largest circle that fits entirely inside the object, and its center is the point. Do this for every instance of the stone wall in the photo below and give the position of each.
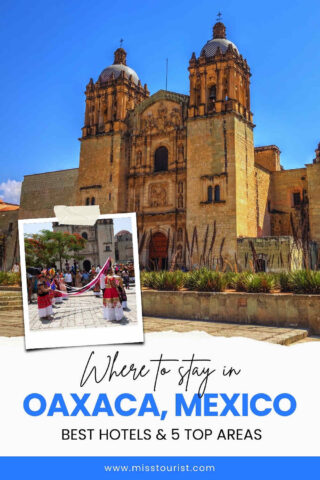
(41, 192)
(313, 176)
(220, 152)
(280, 310)
(283, 185)
(278, 253)
(262, 182)
(103, 173)
(268, 157)
(9, 245)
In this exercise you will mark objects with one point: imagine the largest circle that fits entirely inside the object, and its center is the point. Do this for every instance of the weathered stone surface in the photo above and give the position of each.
(281, 310)
(41, 192)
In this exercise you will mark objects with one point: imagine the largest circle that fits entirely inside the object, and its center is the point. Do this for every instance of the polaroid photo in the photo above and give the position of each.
(80, 284)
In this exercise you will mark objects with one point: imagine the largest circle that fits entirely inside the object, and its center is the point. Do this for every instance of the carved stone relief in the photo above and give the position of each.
(158, 194)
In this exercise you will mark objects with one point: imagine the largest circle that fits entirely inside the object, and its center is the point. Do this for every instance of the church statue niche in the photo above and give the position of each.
(180, 154)
(138, 159)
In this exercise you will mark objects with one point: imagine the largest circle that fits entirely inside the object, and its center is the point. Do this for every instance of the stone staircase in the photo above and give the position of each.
(11, 301)
(11, 313)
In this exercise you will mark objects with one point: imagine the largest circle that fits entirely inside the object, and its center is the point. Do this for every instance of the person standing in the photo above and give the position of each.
(44, 302)
(112, 309)
(57, 293)
(78, 279)
(102, 283)
(68, 280)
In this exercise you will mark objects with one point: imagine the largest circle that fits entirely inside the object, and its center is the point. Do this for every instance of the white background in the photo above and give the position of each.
(267, 368)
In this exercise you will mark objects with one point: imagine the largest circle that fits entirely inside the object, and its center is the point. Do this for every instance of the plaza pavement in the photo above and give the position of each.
(82, 311)
(87, 311)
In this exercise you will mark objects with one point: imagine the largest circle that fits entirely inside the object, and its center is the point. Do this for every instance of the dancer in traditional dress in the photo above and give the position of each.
(112, 309)
(57, 294)
(122, 291)
(52, 287)
(63, 287)
(44, 302)
(96, 289)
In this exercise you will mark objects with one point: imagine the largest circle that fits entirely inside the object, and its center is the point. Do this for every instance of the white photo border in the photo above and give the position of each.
(53, 338)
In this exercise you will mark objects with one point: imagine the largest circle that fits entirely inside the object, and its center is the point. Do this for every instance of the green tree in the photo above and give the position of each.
(47, 247)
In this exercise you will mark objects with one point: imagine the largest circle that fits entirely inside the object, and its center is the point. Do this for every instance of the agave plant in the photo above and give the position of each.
(165, 280)
(211, 281)
(304, 281)
(148, 279)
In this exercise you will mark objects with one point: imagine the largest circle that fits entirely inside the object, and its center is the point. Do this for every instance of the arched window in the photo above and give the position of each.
(87, 201)
(213, 93)
(93, 201)
(209, 193)
(161, 159)
(296, 199)
(217, 193)
(84, 235)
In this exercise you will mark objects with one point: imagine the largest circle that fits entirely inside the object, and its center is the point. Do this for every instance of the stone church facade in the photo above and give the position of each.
(100, 243)
(204, 195)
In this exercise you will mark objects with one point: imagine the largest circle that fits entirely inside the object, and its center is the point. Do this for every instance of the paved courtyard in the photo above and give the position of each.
(82, 311)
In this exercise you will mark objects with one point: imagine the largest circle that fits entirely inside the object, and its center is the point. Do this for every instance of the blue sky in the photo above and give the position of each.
(50, 49)
(118, 223)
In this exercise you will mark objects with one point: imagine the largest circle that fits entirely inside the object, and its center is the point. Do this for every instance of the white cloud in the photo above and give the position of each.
(10, 191)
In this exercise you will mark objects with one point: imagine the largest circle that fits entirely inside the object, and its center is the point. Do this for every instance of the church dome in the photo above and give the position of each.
(219, 41)
(119, 66)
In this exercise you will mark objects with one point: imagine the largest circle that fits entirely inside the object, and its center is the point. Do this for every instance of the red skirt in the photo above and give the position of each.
(44, 301)
(111, 293)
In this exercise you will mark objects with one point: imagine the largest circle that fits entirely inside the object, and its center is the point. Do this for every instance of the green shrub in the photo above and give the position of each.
(164, 280)
(10, 278)
(205, 280)
(284, 282)
(191, 279)
(230, 279)
(148, 279)
(254, 282)
(239, 282)
(302, 281)
(211, 281)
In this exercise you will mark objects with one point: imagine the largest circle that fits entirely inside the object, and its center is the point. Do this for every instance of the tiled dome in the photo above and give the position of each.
(119, 66)
(219, 41)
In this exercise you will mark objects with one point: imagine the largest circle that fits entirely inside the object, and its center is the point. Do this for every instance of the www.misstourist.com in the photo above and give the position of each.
(159, 468)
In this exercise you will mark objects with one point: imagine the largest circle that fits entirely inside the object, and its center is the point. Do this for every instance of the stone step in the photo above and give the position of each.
(6, 303)
(6, 293)
(11, 298)
(11, 307)
(293, 336)
(8, 288)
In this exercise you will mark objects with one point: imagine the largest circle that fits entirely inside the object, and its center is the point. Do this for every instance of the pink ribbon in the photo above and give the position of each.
(91, 284)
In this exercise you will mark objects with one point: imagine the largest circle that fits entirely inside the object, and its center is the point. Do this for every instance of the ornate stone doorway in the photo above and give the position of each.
(158, 252)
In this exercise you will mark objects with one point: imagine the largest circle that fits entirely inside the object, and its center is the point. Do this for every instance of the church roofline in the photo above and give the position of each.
(54, 171)
(267, 147)
(161, 95)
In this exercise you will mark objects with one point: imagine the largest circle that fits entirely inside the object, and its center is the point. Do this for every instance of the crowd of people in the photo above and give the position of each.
(53, 287)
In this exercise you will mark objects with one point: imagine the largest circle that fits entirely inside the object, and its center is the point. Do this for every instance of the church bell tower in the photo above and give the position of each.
(220, 149)
(104, 159)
